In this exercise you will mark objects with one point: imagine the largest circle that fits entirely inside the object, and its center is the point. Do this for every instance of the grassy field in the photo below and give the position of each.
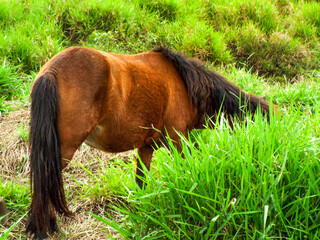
(258, 181)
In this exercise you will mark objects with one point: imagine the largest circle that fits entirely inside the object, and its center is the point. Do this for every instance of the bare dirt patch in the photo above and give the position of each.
(14, 167)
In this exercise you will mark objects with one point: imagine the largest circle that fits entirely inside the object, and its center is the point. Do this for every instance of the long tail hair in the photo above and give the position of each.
(209, 92)
(45, 154)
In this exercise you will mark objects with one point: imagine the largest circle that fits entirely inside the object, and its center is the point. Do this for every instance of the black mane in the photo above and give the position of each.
(208, 91)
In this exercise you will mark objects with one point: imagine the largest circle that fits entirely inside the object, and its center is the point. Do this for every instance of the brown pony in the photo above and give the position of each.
(116, 103)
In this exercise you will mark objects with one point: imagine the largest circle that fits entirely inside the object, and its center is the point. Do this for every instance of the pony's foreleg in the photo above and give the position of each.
(145, 155)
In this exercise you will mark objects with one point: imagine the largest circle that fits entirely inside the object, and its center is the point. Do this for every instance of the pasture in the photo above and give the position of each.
(259, 180)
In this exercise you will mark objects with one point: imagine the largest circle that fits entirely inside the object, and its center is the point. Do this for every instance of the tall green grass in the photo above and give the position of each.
(8, 81)
(13, 86)
(257, 181)
(8, 78)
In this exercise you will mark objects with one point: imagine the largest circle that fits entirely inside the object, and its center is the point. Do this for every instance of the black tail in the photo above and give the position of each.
(209, 91)
(45, 154)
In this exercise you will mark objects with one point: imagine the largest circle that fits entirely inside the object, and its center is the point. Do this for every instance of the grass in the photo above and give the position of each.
(273, 38)
(257, 181)
(15, 195)
(13, 85)
(106, 180)
(8, 81)
(23, 132)
(17, 200)
(5, 234)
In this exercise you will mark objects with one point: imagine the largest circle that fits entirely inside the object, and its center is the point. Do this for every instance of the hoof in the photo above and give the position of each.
(32, 231)
(3, 212)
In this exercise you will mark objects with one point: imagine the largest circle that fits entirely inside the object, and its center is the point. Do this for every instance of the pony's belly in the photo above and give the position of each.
(108, 147)
(111, 141)
(90, 141)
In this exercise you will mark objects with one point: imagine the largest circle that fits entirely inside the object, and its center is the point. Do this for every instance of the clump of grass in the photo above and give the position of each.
(204, 43)
(13, 86)
(276, 55)
(30, 37)
(310, 12)
(166, 10)
(78, 23)
(111, 26)
(10, 13)
(16, 195)
(29, 45)
(239, 13)
(9, 79)
(105, 179)
(23, 132)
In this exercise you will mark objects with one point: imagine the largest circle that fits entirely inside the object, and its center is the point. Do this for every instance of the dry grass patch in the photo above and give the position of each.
(14, 166)
(14, 150)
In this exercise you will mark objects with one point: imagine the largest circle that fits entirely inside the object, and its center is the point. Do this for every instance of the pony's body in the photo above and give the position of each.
(141, 100)
(118, 102)
(115, 103)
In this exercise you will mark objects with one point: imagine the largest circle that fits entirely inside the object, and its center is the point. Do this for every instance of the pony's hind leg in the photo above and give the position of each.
(71, 138)
(75, 121)
(145, 155)
(31, 227)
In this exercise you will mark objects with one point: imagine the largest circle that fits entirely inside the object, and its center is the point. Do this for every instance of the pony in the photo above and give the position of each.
(116, 103)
